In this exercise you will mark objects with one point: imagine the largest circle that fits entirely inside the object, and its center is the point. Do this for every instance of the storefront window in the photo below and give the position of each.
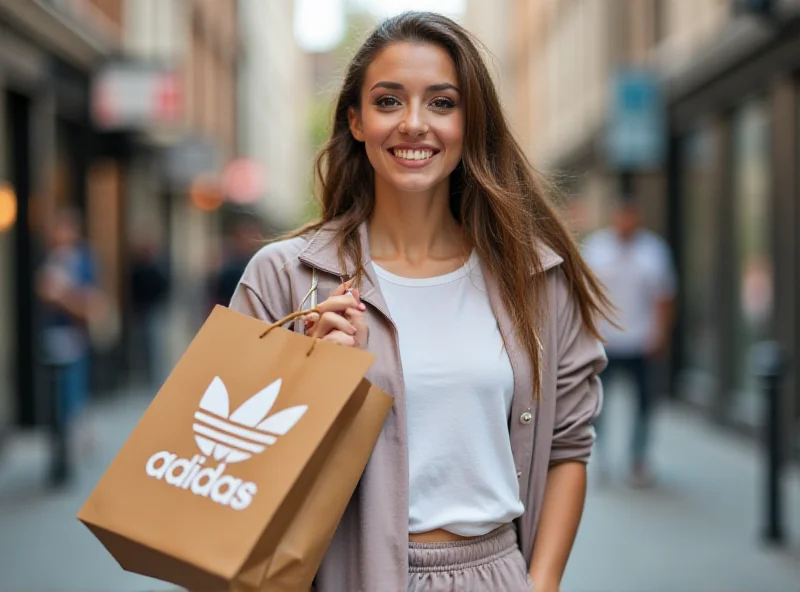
(753, 262)
(699, 253)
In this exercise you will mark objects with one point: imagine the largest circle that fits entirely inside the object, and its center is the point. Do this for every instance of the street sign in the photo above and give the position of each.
(635, 137)
(129, 95)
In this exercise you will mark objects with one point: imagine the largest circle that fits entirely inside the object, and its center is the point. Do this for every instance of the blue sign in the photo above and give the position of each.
(636, 134)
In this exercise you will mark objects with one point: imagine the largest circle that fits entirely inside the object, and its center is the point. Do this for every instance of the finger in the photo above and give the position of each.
(338, 304)
(357, 295)
(310, 330)
(340, 338)
(347, 288)
(355, 315)
(309, 321)
(341, 289)
(331, 321)
(359, 320)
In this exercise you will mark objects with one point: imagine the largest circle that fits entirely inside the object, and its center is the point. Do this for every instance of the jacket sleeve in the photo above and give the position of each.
(579, 392)
(264, 291)
(247, 300)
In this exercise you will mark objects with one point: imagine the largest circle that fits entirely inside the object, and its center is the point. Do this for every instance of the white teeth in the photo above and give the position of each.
(414, 154)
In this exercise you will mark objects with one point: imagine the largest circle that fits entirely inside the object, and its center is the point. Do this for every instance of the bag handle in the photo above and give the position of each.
(312, 294)
(292, 317)
(287, 318)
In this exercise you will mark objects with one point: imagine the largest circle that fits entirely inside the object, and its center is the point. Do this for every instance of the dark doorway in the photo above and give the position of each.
(18, 123)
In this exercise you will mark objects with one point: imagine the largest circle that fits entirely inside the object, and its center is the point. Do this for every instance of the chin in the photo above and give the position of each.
(417, 185)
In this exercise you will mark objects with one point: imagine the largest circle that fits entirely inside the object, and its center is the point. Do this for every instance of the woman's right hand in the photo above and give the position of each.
(341, 319)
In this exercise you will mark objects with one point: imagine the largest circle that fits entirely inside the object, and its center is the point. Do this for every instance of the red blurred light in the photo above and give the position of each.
(243, 181)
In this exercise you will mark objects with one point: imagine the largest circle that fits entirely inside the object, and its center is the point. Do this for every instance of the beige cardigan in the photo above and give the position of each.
(369, 550)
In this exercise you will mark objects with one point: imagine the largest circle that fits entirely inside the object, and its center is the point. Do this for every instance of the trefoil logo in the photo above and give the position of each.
(228, 438)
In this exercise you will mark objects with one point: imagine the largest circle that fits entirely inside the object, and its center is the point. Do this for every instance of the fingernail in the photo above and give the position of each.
(362, 306)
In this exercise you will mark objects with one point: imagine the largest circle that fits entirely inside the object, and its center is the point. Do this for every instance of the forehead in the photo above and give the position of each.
(412, 64)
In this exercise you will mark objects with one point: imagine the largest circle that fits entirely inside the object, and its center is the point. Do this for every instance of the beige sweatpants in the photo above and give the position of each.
(491, 563)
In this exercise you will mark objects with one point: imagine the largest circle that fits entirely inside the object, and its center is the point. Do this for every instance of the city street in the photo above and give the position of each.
(696, 531)
(150, 150)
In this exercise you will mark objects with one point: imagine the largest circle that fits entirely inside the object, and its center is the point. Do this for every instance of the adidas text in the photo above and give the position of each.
(208, 482)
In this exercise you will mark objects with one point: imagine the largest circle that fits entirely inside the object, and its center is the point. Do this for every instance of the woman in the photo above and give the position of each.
(442, 256)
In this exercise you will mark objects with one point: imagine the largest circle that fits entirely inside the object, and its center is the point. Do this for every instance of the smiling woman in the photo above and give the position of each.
(440, 252)
(410, 121)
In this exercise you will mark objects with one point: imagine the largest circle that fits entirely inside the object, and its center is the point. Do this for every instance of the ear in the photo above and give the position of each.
(356, 126)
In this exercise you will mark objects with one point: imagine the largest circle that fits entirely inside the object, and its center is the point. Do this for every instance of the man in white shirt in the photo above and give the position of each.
(636, 267)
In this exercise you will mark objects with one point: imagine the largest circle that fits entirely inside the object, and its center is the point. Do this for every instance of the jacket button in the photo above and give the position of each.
(519, 474)
(526, 417)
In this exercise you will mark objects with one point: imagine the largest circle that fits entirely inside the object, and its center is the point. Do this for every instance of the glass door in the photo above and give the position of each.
(699, 374)
(752, 257)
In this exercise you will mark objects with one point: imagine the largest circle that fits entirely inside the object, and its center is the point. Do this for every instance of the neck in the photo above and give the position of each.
(414, 226)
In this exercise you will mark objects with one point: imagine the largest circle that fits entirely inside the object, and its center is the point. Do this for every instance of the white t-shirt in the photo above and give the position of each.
(637, 273)
(458, 386)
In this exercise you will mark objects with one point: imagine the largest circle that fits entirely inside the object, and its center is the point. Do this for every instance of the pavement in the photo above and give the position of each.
(43, 547)
(697, 530)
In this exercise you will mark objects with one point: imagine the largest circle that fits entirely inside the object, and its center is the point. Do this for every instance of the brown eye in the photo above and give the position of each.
(387, 101)
(443, 103)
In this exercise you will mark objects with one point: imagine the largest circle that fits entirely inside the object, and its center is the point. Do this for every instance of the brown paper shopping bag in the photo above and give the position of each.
(240, 469)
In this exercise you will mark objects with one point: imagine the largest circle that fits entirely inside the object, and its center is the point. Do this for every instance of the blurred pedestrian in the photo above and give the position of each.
(636, 267)
(439, 252)
(150, 284)
(244, 240)
(67, 286)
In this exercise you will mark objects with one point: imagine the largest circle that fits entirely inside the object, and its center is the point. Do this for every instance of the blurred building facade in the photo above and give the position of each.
(48, 50)
(275, 88)
(489, 23)
(725, 188)
(181, 134)
(127, 111)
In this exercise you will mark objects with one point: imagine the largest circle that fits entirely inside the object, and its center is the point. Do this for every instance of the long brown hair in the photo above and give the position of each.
(500, 201)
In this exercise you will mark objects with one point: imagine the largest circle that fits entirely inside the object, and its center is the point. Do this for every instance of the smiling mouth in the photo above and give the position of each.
(414, 155)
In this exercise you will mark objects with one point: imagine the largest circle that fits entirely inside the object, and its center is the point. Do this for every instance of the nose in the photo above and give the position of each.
(413, 123)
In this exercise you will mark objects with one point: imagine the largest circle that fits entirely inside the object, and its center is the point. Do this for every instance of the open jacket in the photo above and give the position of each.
(369, 552)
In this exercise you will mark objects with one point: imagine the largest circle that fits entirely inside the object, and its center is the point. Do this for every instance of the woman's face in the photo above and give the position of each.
(411, 118)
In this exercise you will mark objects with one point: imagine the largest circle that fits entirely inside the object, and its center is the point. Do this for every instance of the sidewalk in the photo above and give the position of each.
(696, 532)
(42, 545)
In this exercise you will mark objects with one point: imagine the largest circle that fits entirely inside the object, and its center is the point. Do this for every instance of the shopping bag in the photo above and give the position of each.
(238, 473)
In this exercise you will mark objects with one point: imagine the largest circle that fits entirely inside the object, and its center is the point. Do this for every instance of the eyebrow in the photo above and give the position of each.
(431, 88)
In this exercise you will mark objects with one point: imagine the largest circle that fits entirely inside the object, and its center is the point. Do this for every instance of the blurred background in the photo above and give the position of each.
(147, 146)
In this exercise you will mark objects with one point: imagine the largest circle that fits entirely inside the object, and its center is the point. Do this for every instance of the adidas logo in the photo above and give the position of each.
(234, 437)
(228, 438)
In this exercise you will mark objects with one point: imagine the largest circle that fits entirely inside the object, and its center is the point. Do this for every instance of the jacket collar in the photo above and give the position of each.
(322, 252)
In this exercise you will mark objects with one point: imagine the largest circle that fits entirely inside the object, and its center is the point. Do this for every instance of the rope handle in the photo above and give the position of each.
(312, 295)
(287, 318)
(291, 317)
